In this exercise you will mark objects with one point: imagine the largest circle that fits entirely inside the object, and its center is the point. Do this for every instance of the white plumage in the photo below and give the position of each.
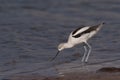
(80, 35)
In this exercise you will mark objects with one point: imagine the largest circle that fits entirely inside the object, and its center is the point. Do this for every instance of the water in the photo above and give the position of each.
(30, 31)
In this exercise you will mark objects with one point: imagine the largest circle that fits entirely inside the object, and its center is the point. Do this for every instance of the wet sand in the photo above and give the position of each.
(73, 76)
(105, 73)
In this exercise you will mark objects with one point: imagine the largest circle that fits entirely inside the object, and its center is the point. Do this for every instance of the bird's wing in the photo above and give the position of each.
(85, 30)
(79, 30)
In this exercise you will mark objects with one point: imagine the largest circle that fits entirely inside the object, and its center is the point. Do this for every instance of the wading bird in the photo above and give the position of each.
(78, 36)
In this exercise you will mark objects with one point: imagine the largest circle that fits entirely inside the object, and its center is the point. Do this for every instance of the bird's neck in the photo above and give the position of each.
(68, 45)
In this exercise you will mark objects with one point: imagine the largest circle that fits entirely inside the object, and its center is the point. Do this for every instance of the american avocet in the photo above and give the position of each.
(80, 35)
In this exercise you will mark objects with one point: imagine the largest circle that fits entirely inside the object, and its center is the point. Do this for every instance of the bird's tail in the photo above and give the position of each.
(100, 25)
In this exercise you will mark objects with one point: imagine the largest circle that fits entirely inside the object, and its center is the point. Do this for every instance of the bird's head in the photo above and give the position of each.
(61, 46)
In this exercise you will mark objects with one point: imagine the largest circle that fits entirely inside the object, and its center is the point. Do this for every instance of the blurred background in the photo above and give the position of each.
(30, 31)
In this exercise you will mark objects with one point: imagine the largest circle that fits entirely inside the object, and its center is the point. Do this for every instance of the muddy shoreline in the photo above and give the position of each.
(71, 76)
(105, 73)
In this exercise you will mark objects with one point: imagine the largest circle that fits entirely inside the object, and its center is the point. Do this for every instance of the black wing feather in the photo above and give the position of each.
(77, 29)
(90, 29)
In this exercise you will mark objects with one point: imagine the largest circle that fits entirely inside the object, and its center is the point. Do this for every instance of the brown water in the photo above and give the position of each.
(30, 31)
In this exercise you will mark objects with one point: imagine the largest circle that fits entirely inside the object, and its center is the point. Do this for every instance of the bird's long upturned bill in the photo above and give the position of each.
(55, 56)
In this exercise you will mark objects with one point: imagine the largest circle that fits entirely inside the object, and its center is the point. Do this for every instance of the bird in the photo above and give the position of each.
(80, 35)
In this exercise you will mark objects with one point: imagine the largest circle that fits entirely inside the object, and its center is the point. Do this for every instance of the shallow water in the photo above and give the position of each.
(30, 31)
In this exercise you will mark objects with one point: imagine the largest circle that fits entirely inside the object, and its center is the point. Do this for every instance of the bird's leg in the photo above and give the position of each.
(89, 51)
(83, 58)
